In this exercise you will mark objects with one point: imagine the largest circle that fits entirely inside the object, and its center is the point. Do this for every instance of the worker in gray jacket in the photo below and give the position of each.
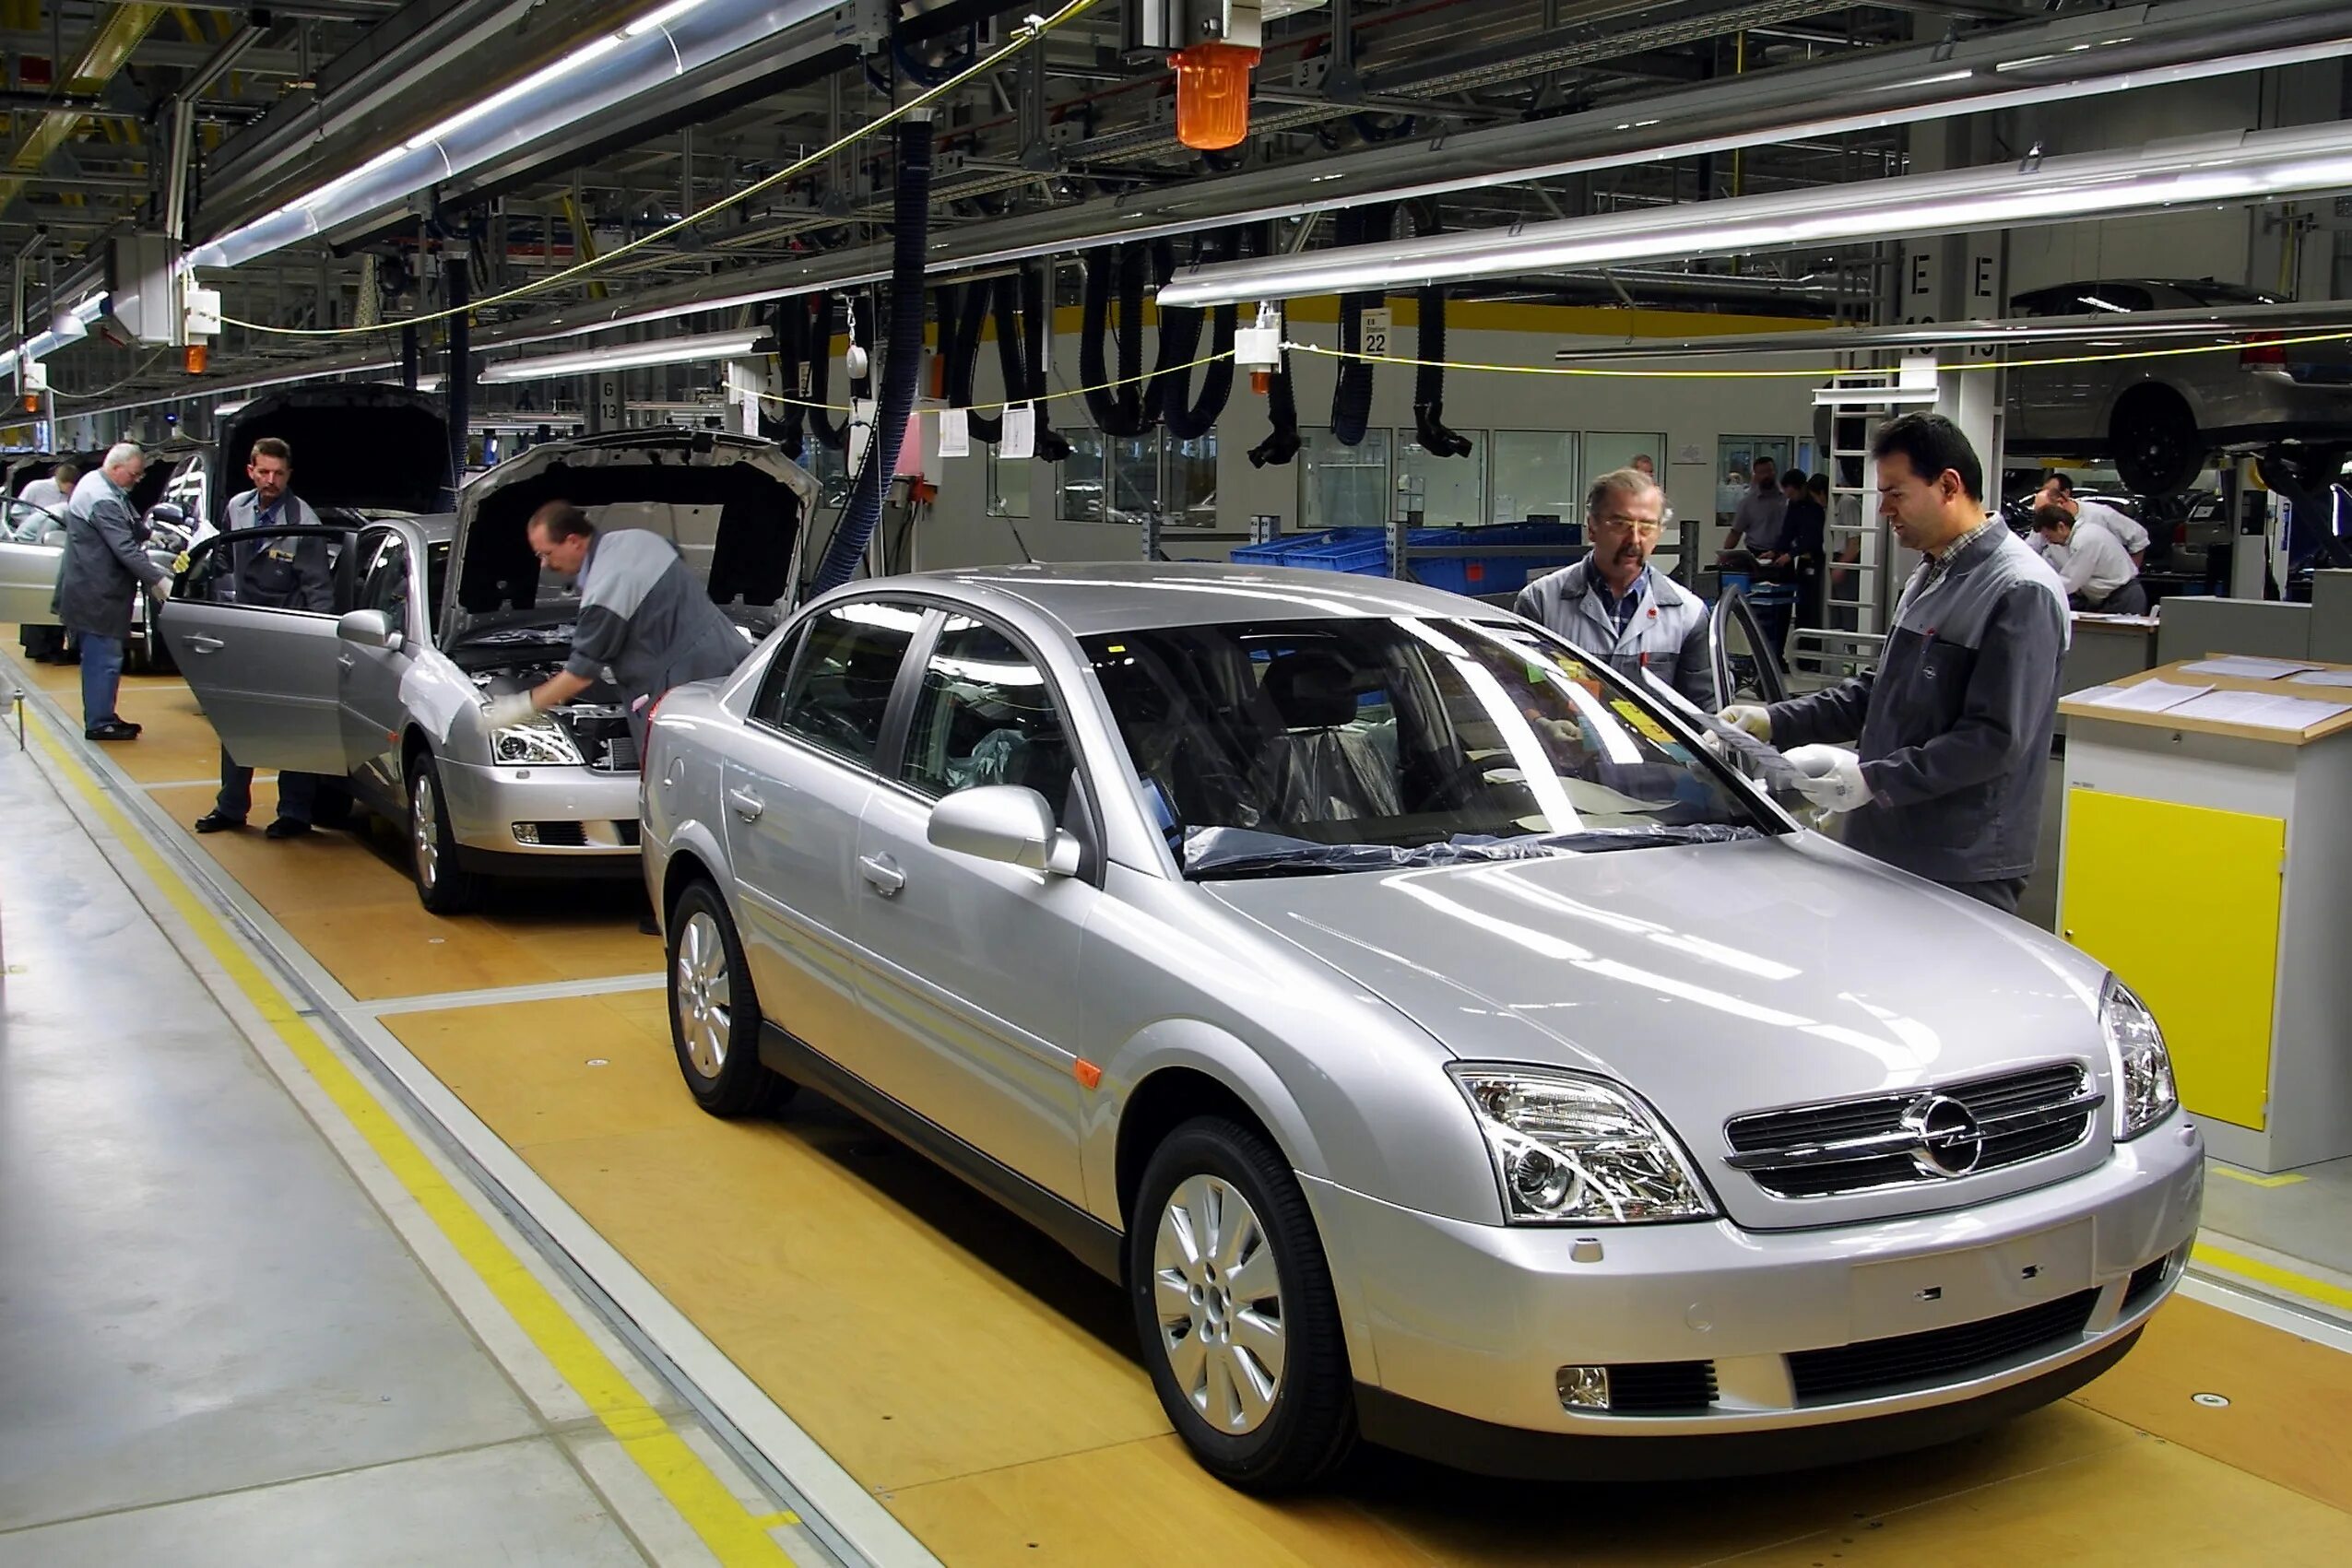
(105, 568)
(1613, 606)
(642, 615)
(1954, 725)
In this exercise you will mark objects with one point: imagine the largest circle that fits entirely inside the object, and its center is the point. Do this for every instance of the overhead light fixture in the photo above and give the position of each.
(2257, 165)
(609, 69)
(629, 355)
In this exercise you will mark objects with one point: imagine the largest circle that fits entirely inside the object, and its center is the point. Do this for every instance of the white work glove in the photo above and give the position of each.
(507, 711)
(1833, 777)
(161, 589)
(1750, 716)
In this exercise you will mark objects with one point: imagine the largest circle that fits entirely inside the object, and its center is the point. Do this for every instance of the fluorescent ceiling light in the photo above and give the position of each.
(2261, 165)
(612, 68)
(629, 355)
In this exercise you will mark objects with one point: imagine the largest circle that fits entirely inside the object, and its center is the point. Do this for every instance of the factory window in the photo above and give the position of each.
(1083, 477)
(1535, 476)
(1448, 491)
(1125, 470)
(1607, 451)
(1008, 484)
(1341, 487)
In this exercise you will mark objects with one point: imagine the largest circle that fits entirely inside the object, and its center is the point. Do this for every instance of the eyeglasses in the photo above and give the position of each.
(1647, 527)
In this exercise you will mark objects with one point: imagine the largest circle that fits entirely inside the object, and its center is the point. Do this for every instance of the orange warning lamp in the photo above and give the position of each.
(197, 354)
(1213, 94)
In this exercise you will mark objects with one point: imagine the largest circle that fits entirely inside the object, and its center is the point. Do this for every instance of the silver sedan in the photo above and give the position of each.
(1431, 1037)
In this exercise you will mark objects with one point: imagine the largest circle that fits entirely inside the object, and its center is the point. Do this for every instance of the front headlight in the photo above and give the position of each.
(543, 743)
(1572, 1150)
(2143, 1091)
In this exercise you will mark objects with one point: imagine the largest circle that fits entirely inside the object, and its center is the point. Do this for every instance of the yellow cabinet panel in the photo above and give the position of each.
(2182, 903)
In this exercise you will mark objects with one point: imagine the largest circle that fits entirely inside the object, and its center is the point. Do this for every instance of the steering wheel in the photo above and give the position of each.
(1476, 768)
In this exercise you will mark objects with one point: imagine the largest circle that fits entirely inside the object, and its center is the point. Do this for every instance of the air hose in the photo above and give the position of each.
(901, 368)
(1429, 382)
(1351, 389)
(1120, 410)
(962, 314)
(1036, 318)
(1282, 443)
(1171, 394)
(789, 429)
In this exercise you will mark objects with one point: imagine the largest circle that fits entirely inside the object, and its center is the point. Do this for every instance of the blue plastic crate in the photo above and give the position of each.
(1361, 550)
(1497, 574)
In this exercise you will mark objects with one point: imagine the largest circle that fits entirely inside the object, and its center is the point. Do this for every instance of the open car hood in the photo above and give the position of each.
(361, 447)
(735, 506)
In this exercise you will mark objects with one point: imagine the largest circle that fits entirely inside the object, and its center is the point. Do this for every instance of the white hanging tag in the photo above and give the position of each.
(955, 434)
(1020, 437)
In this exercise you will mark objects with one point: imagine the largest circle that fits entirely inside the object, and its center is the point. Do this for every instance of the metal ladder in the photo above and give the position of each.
(1857, 617)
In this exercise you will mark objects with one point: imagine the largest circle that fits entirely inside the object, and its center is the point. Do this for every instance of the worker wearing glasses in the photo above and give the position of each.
(1610, 604)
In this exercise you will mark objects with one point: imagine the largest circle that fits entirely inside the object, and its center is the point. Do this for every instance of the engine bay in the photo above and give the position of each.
(597, 722)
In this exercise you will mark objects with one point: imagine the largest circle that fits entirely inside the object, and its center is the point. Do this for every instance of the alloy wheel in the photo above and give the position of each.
(705, 994)
(424, 830)
(1220, 1304)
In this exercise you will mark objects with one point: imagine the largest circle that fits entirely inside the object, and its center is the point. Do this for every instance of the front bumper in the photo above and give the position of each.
(548, 821)
(1469, 1324)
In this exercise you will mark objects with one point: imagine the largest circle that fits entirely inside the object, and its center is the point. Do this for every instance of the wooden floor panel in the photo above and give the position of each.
(984, 1384)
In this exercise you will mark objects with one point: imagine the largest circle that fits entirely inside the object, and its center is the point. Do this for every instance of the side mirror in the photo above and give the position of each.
(165, 512)
(1008, 823)
(369, 629)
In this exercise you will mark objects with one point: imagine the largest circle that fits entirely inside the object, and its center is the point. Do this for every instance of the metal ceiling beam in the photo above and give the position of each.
(118, 34)
(178, 53)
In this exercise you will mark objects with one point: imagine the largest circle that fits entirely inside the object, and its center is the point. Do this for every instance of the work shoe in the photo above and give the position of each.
(285, 828)
(118, 729)
(218, 822)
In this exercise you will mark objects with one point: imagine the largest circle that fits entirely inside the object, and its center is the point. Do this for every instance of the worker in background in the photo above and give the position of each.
(46, 644)
(1954, 725)
(642, 615)
(1808, 525)
(2090, 560)
(2058, 490)
(1760, 520)
(1610, 604)
(104, 569)
(279, 573)
(1645, 466)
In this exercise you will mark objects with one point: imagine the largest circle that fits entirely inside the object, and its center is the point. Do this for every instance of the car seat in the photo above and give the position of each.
(1322, 765)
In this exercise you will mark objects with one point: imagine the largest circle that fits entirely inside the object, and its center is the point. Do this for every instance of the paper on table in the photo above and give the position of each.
(2149, 696)
(2245, 667)
(2260, 709)
(2322, 677)
(2094, 695)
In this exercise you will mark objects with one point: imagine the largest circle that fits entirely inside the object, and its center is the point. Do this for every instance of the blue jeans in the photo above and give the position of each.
(102, 678)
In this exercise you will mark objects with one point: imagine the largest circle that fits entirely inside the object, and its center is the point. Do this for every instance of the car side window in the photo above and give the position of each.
(267, 569)
(986, 714)
(386, 585)
(837, 689)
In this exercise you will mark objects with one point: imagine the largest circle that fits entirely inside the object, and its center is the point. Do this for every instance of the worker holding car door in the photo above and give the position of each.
(1953, 727)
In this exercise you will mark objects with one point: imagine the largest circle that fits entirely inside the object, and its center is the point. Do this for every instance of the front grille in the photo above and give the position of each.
(2144, 1283)
(1661, 1388)
(1877, 1366)
(619, 755)
(1857, 1145)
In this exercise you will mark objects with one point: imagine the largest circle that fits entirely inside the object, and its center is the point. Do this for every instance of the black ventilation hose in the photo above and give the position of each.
(1036, 320)
(1119, 410)
(1429, 381)
(903, 366)
(1171, 394)
(962, 313)
(1351, 389)
(789, 429)
(833, 433)
(1281, 445)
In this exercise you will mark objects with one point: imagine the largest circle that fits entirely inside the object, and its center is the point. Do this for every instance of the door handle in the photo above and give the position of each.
(883, 873)
(206, 645)
(344, 661)
(746, 805)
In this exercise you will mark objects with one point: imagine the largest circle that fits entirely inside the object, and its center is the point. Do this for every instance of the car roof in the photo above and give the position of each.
(1089, 598)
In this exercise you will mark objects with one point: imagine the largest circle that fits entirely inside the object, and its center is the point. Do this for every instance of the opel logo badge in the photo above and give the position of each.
(1950, 1142)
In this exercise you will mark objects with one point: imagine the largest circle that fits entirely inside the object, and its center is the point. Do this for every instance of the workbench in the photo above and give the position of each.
(2209, 865)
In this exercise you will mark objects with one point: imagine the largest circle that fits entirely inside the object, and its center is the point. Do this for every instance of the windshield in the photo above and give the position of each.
(1288, 747)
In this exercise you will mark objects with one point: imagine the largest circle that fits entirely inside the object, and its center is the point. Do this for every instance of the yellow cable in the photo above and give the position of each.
(1023, 38)
(1048, 397)
(1815, 374)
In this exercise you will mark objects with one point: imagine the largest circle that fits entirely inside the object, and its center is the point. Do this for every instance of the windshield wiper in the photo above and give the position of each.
(1217, 854)
(1601, 840)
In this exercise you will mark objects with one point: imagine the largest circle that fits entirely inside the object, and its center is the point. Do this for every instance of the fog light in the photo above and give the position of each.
(527, 832)
(1583, 1387)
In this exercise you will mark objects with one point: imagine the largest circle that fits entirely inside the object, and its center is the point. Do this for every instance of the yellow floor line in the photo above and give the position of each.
(2278, 1278)
(2252, 1180)
(731, 1532)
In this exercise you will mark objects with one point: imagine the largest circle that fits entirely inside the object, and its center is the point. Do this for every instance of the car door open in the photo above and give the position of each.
(252, 624)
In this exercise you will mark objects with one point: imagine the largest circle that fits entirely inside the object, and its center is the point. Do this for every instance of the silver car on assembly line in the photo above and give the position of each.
(1435, 1040)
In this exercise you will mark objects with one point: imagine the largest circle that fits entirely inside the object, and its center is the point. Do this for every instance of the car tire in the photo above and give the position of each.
(1259, 1428)
(2154, 444)
(444, 887)
(715, 1015)
(154, 653)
